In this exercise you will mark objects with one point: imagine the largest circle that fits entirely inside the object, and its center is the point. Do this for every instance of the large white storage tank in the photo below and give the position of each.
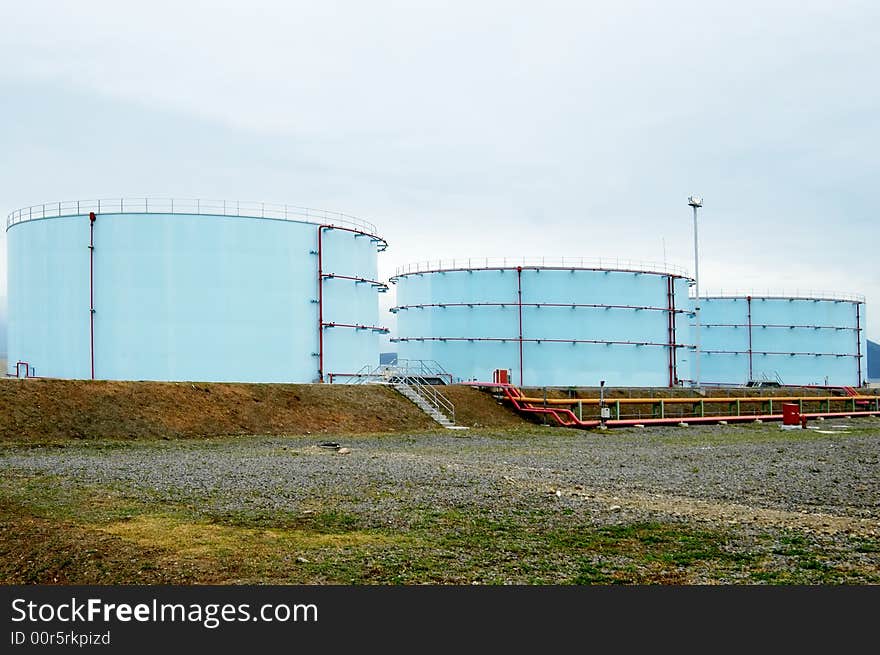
(567, 322)
(147, 289)
(798, 339)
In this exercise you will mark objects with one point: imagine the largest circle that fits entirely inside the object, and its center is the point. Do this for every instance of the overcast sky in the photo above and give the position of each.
(474, 128)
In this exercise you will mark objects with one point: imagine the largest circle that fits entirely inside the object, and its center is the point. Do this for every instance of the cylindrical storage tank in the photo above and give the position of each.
(191, 290)
(570, 322)
(797, 339)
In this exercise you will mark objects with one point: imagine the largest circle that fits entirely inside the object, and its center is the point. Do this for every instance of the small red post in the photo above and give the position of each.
(790, 414)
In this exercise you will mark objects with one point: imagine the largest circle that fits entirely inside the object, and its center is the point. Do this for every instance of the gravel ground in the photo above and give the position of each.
(747, 474)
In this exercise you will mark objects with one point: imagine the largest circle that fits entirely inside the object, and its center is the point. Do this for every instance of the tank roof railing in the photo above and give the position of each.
(147, 205)
(586, 263)
(782, 294)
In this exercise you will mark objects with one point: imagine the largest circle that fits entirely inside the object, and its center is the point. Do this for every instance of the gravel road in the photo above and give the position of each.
(746, 474)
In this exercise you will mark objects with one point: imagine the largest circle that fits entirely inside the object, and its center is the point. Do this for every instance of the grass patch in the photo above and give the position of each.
(58, 529)
(187, 538)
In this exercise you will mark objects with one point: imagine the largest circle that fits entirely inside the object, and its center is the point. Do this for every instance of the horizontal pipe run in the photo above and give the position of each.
(375, 283)
(381, 243)
(774, 325)
(746, 418)
(768, 352)
(517, 339)
(356, 326)
(781, 294)
(571, 305)
(693, 400)
(566, 418)
(537, 267)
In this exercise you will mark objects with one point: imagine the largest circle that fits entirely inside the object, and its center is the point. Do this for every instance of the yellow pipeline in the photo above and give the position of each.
(692, 400)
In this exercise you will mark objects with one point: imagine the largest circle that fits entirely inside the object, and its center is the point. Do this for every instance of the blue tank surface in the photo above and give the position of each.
(567, 323)
(797, 340)
(191, 290)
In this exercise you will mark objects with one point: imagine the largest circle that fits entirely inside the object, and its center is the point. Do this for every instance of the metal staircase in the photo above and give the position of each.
(416, 380)
(429, 400)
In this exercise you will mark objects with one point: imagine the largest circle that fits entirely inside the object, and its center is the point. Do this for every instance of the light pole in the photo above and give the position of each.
(696, 201)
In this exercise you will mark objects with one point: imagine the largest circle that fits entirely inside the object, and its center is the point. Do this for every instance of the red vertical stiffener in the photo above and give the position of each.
(670, 325)
(858, 346)
(749, 314)
(519, 306)
(674, 337)
(322, 276)
(92, 218)
(320, 308)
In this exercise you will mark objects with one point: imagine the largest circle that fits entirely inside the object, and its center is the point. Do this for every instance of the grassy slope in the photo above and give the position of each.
(51, 410)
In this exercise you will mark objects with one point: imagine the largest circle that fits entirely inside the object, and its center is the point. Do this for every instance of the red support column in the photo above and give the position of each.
(858, 345)
(670, 325)
(92, 218)
(320, 306)
(749, 313)
(519, 307)
(322, 276)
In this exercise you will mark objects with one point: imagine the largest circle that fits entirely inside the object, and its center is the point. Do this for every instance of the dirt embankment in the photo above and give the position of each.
(40, 410)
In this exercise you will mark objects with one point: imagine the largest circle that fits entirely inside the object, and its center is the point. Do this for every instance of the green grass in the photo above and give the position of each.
(457, 546)
(60, 530)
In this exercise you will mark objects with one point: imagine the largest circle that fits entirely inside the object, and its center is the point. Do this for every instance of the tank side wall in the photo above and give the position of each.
(797, 341)
(464, 359)
(348, 302)
(862, 372)
(48, 296)
(187, 297)
(209, 298)
(683, 332)
(620, 320)
(724, 330)
(482, 325)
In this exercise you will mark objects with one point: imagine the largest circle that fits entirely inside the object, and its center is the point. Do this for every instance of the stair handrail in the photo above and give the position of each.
(363, 374)
(402, 368)
(431, 395)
